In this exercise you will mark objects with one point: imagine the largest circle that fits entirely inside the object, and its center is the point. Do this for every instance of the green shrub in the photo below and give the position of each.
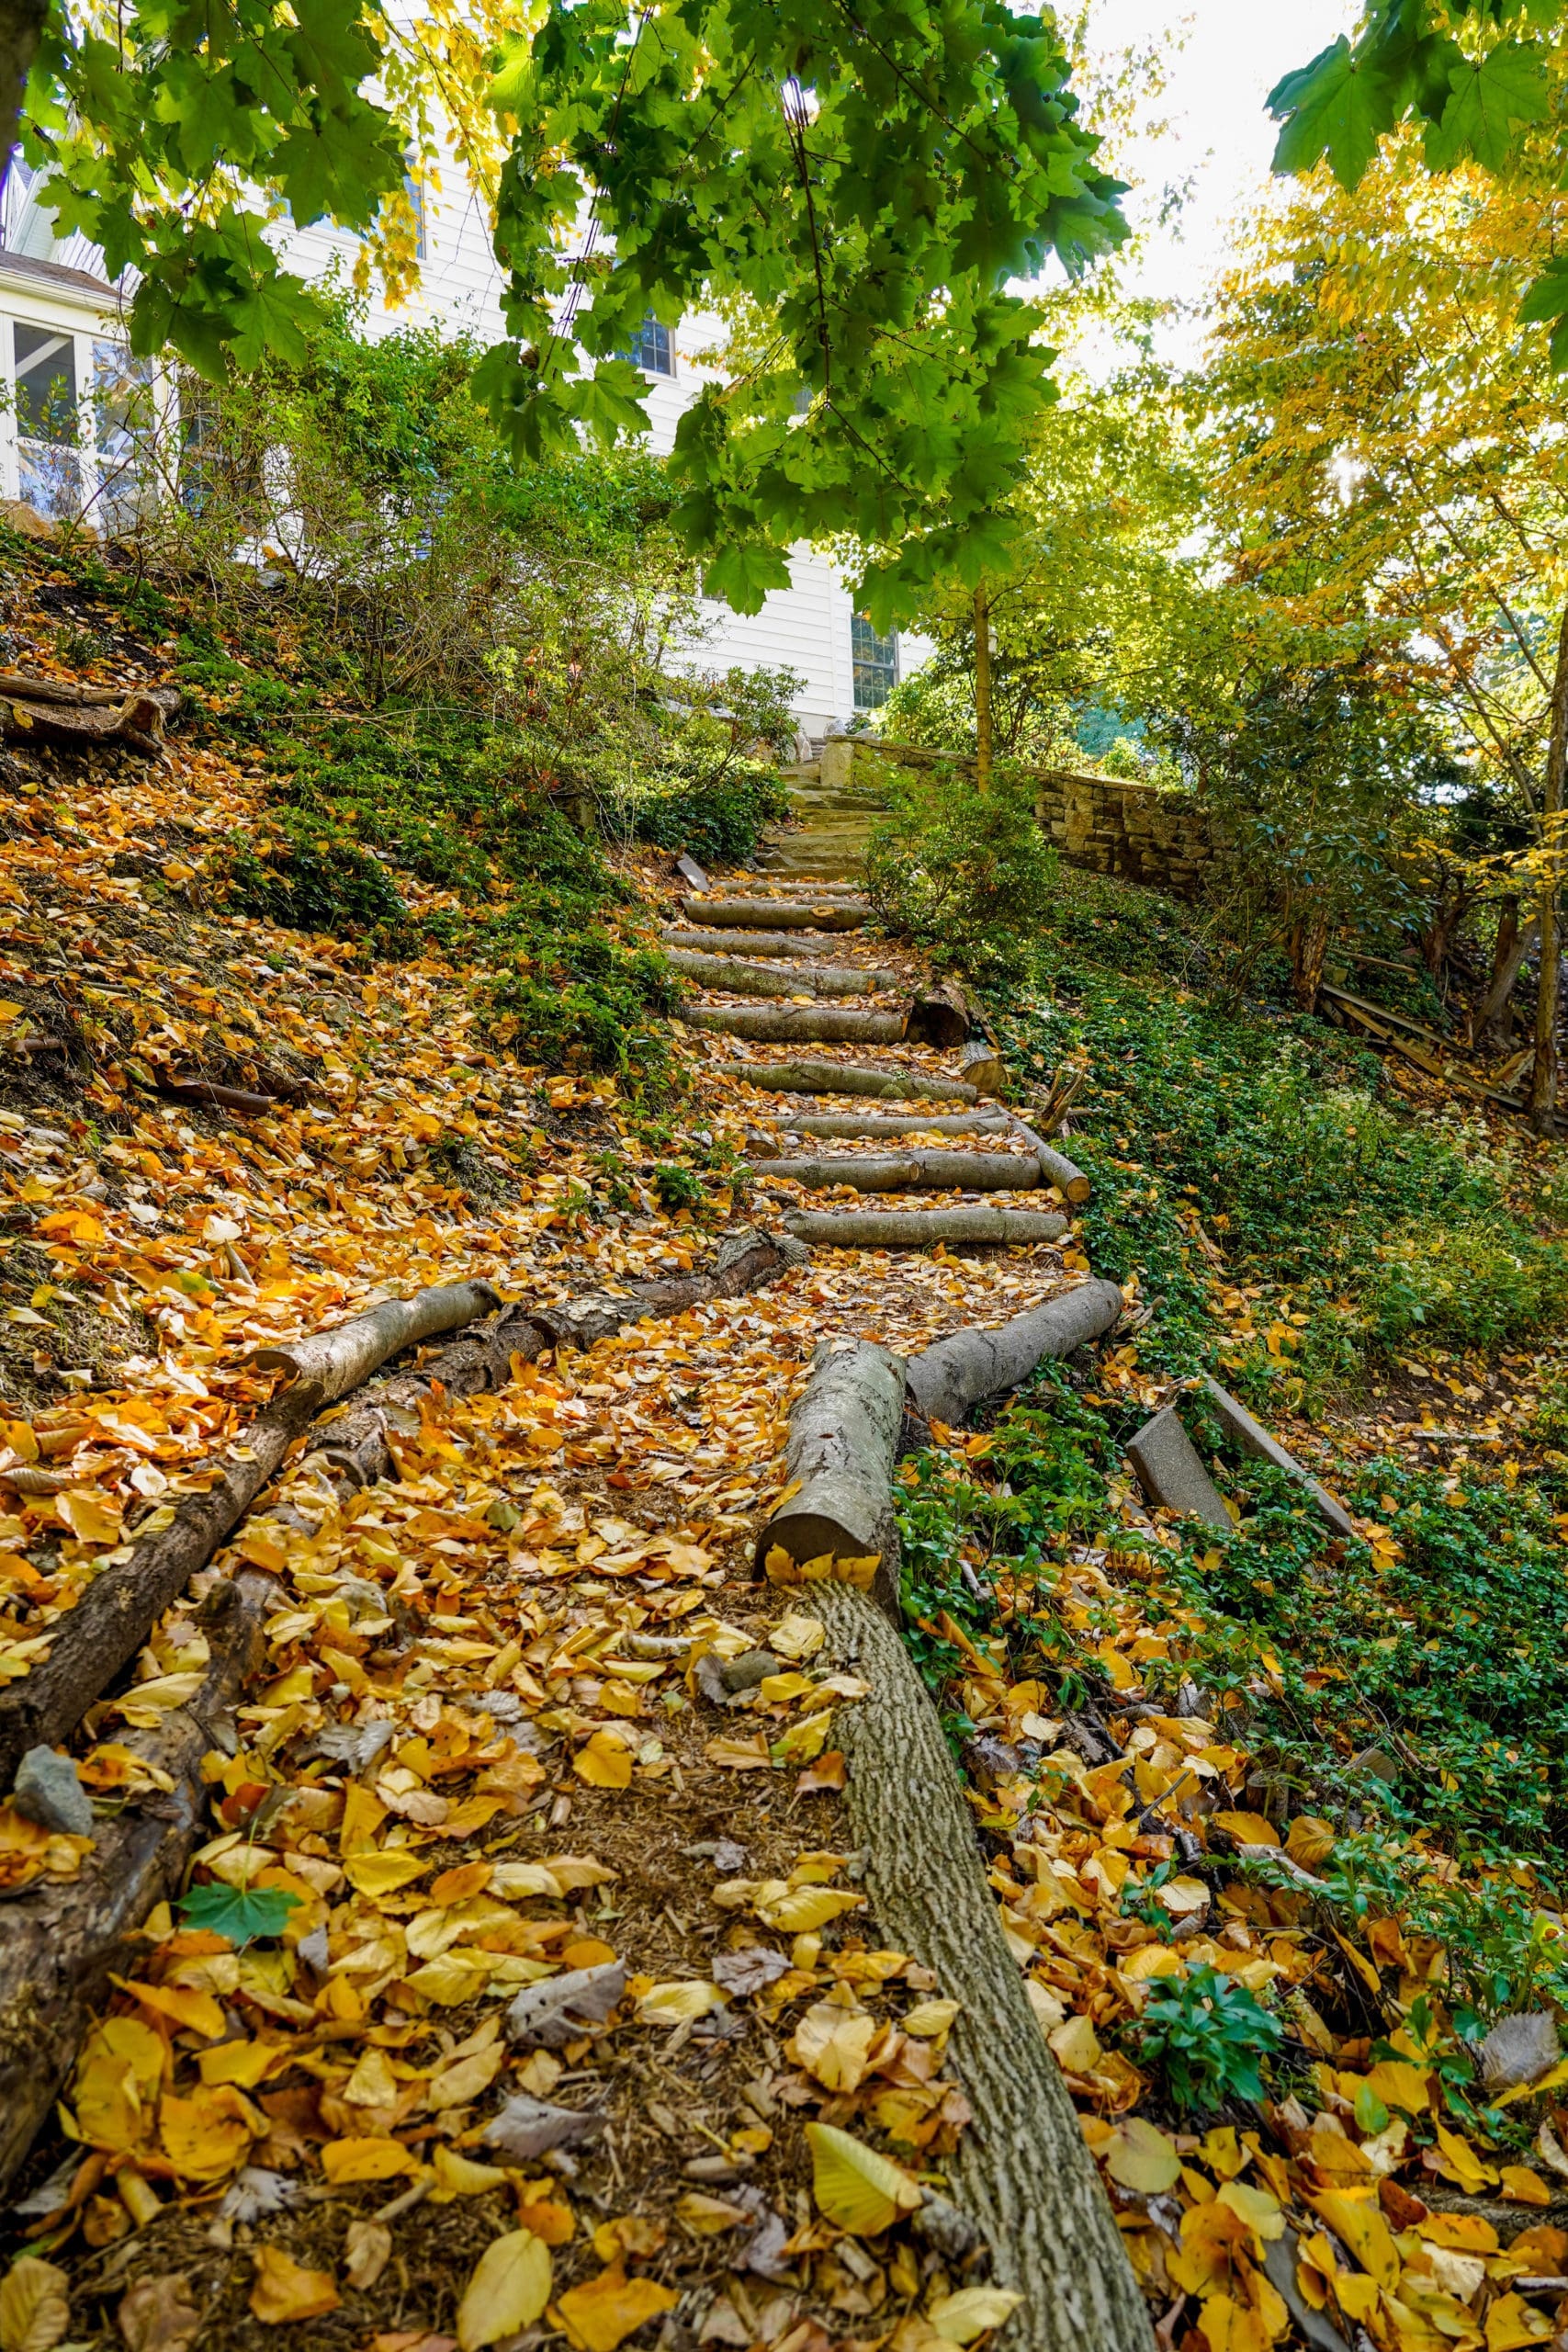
(310, 876)
(719, 823)
(966, 874)
(1211, 2037)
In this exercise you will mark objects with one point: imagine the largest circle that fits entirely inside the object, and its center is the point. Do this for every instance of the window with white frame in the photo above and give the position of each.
(876, 661)
(652, 349)
(81, 412)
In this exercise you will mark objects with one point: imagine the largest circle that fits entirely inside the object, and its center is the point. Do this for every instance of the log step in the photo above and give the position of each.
(845, 1124)
(849, 1078)
(808, 1023)
(915, 1171)
(781, 914)
(920, 1229)
(751, 943)
(742, 979)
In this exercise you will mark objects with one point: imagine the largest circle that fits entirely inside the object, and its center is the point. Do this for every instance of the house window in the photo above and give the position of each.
(651, 348)
(124, 414)
(414, 192)
(875, 662)
(48, 465)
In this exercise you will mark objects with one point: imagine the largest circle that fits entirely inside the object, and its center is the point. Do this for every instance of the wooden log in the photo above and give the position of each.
(920, 1229)
(733, 972)
(779, 914)
(1253, 1438)
(1021, 2172)
(92, 1643)
(845, 1125)
(206, 1095)
(61, 1939)
(345, 1356)
(1055, 1166)
(939, 1014)
(768, 1024)
(759, 944)
(19, 684)
(953, 1375)
(847, 1078)
(915, 1171)
(983, 1067)
(843, 1441)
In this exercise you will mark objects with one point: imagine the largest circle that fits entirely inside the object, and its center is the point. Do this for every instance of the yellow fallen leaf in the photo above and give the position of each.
(929, 2019)
(209, 2134)
(705, 2216)
(1525, 2187)
(1248, 1828)
(459, 2176)
(603, 1762)
(678, 2003)
(1230, 2326)
(92, 1518)
(35, 2310)
(1361, 2228)
(960, 2318)
(1397, 2083)
(608, 2309)
(1311, 1840)
(1075, 2046)
(1511, 2323)
(371, 2159)
(1256, 2208)
(192, 2011)
(509, 2288)
(284, 2291)
(802, 1909)
(861, 2191)
(1140, 2157)
(383, 1873)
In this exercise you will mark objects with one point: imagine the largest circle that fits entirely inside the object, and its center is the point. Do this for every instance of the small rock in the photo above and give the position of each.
(1170, 1472)
(744, 1672)
(1520, 2049)
(49, 1791)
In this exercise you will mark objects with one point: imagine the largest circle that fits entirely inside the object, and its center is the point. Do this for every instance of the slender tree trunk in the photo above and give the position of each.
(1514, 943)
(21, 24)
(982, 689)
(1544, 1082)
(1309, 946)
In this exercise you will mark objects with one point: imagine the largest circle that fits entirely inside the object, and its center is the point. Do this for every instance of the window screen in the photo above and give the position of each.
(875, 664)
(49, 472)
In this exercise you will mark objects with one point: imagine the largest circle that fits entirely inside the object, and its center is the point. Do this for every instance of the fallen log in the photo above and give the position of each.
(779, 914)
(1021, 2173)
(1055, 1166)
(61, 1939)
(940, 1015)
(19, 685)
(917, 1172)
(846, 1127)
(1253, 1438)
(345, 1356)
(843, 1441)
(983, 1067)
(759, 944)
(845, 1078)
(954, 1374)
(92, 1643)
(206, 1094)
(133, 715)
(778, 1024)
(733, 972)
(920, 1228)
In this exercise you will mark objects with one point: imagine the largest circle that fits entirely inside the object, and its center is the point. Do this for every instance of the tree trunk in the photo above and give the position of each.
(982, 689)
(915, 1171)
(749, 942)
(955, 1373)
(846, 1078)
(741, 978)
(813, 1026)
(843, 1441)
(849, 1129)
(1543, 1080)
(1021, 2173)
(1506, 965)
(920, 1228)
(345, 1356)
(1309, 944)
(1057, 1168)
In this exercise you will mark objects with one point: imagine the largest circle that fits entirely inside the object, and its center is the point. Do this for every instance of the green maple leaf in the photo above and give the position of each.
(610, 402)
(240, 1915)
(268, 320)
(1486, 101)
(1339, 105)
(742, 576)
(1546, 299)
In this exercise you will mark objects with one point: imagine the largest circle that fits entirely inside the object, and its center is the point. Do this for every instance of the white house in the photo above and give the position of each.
(68, 381)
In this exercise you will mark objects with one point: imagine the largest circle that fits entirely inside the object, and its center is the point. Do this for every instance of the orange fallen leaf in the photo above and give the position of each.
(284, 2291)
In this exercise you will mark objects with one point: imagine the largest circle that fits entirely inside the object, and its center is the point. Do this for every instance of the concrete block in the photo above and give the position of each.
(837, 762)
(1253, 1438)
(1170, 1472)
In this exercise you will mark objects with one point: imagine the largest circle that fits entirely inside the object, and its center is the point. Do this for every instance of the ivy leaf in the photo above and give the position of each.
(1339, 105)
(1507, 87)
(241, 1914)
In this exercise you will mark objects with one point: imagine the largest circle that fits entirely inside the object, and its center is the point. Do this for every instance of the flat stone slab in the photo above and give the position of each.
(1253, 1438)
(1170, 1471)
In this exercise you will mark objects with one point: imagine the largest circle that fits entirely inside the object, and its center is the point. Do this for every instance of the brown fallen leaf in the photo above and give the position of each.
(367, 2249)
(829, 1771)
(159, 2314)
(284, 2291)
